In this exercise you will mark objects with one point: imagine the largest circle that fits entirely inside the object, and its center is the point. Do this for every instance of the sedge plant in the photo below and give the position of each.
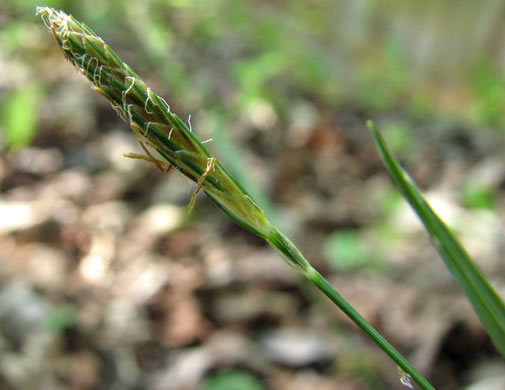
(168, 143)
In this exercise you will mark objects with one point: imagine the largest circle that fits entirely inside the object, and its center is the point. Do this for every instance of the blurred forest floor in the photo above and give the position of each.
(106, 282)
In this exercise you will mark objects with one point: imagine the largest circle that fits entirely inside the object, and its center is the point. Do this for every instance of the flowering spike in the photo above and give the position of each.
(156, 127)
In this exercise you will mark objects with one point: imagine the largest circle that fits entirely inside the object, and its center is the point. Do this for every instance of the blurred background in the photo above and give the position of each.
(106, 282)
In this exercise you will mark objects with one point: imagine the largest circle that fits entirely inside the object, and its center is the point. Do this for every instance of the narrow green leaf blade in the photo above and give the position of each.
(484, 299)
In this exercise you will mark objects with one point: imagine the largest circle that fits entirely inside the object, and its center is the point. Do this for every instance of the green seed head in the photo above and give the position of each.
(157, 127)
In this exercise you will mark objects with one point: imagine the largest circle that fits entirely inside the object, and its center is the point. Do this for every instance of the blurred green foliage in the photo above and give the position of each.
(345, 250)
(387, 201)
(488, 87)
(379, 55)
(231, 380)
(19, 116)
(61, 317)
(384, 76)
(478, 197)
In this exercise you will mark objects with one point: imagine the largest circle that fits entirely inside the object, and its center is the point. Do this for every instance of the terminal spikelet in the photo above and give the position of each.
(164, 138)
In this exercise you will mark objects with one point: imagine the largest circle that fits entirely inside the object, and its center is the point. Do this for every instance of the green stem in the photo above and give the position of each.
(296, 259)
(316, 278)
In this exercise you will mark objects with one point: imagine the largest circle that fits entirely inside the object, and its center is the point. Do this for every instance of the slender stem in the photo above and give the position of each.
(316, 278)
(296, 259)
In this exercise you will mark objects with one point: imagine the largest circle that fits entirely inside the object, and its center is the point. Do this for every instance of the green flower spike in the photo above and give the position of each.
(168, 142)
